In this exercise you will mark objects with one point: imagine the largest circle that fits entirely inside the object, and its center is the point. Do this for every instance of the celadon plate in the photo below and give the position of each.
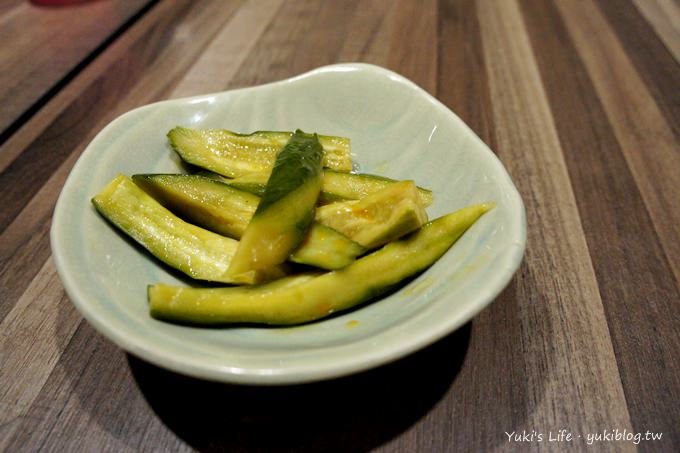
(396, 130)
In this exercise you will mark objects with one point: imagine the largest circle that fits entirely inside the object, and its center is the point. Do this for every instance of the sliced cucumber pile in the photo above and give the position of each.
(280, 218)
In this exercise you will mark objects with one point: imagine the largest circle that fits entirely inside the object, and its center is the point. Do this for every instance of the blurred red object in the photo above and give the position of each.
(57, 2)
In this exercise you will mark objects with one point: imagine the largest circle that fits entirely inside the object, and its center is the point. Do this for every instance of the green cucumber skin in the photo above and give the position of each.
(203, 201)
(286, 209)
(199, 253)
(256, 188)
(335, 186)
(216, 206)
(339, 186)
(320, 296)
(326, 248)
(233, 154)
(298, 164)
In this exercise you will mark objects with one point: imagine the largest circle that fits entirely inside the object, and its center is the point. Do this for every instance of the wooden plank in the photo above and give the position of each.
(22, 178)
(67, 94)
(32, 186)
(34, 335)
(378, 37)
(477, 409)
(226, 53)
(90, 402)
(372, 26)
(416, 57)
(47, 43)
(629, 270)
(304, 35)
(571, 359)
(323, 35)
(648, 143)
(25, 246)
(653, 61)
(664, 17)
(462, 77)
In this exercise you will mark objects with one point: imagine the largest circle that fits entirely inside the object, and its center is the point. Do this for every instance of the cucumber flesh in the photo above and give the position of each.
(231, 154)
(339, 186)
(254, 183)
(378, 218)
(199, 253)
(211, 204)
(316, 297)
(203, 201)
(286, 209)
(336, 186)
(326, 248)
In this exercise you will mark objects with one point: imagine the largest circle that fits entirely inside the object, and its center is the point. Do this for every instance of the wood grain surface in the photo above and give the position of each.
(43, 47)
(580, 100)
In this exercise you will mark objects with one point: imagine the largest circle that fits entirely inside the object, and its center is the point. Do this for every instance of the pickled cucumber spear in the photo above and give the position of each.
(286, 209)
(301, 299)
(199, 253)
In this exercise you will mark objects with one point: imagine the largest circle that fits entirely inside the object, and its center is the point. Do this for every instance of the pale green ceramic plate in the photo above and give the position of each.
(397, 130)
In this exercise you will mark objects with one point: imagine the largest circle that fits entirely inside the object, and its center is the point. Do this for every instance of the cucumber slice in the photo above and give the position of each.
(254, 183)
(218, 207)
(310, 298)
(199, 253)
(326, 248)
(231, 154)
(286, 209)
(355, 186)
(203, 201)
(336, 186)
(378, 218)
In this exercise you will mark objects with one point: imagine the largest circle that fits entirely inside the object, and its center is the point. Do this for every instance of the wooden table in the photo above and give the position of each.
(579, 98)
